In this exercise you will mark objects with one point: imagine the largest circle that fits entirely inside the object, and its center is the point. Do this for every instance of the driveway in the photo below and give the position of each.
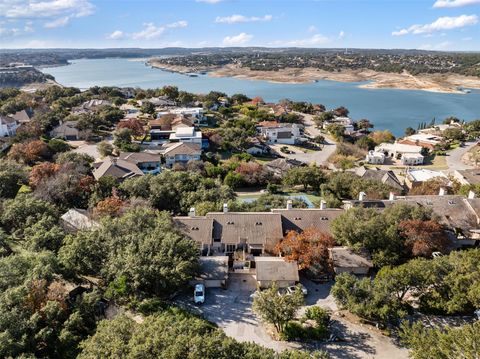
(317, 157)
(454, 157)
(231, 310)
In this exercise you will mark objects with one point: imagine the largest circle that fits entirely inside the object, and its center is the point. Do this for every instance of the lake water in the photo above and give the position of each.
(387, 109)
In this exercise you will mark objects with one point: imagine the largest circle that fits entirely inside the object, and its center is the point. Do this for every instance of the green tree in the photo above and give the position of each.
(409, 131)
(12, 176)
(142, 246)
(277, 309)
(105, 149)
(450, 342)
(311, 177)
(336, 130)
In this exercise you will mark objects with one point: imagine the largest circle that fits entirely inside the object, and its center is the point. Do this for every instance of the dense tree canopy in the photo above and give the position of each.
(140, 252)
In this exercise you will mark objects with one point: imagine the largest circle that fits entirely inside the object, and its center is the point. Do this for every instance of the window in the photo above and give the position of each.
(231, 248)
(216, 240)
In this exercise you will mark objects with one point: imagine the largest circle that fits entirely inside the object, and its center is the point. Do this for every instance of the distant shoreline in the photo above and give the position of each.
(441, 83)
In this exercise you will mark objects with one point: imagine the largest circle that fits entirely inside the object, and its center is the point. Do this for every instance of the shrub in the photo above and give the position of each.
(320, 315)
(293, 331)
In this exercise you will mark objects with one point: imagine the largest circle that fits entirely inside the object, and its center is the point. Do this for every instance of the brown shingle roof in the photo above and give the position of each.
(301, 219)
(248, 227)
(139, 157)
(117, 168)
(199, 229)
(182, 148)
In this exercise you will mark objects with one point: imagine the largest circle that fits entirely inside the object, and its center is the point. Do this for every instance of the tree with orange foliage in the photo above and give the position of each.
(309, 249)
(424, 237)
(30, 152)
(110, 206)
(42, 171)
(257, 101)
(133, 124)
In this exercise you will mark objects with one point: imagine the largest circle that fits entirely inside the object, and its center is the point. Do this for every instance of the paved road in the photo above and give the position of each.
(231, 310)
(318, 157)
(454, 157)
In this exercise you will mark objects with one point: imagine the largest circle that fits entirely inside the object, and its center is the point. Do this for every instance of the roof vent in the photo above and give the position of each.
(298, 218)
(258, 223)
(324, 218)
(451, 202)
(230, 222)
(195, 228)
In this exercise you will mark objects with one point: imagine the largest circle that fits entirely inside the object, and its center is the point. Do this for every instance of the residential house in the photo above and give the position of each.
(459, 215)
(90, 106)
(422, 139)
(269, 270)
(298, 220)
(196, 114)
(181, 152)
(75, 220)
(375, 158)
(384, 176)
(147, 162)
(161, 101)
(282, 133)
(8, 126)
(198, 229)
(163, 127)
(23, 116)
(409, 155)
(415, 177)
(346, 122)
(256, 147)
(186, 134)
(252, 233)
(345, 260)
(68, 131)
(279, 166)
(117, 168)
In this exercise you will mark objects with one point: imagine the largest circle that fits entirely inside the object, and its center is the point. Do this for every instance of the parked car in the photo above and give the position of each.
(199, 294)
(300, 286)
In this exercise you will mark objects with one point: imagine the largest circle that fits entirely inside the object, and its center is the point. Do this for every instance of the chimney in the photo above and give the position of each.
(192, 212)
(392, 196)
(362, 196)
(289, 204)
(471, 194)
(323, 204)
(442, 191)
(225, 208)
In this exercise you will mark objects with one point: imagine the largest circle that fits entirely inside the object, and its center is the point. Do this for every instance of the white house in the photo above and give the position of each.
(274, 132)
(186, 134)
(8, 126)
(376, 158)
(408, 154)
(346, 122)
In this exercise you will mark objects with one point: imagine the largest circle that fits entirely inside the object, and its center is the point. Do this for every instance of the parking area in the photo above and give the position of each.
(231, 310)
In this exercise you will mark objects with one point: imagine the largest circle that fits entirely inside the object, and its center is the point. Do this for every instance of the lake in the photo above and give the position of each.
(386, 108)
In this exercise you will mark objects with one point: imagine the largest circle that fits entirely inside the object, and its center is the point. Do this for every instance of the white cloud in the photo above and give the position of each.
(312, 28)
(8, 32)
(239, 39)
(181, 23)
(30, 9)
(235, 19)
(62, 21)
(116, 35)
(150, 32)
(454, 3)
(441, 24)
(209, 1)
(341, 35)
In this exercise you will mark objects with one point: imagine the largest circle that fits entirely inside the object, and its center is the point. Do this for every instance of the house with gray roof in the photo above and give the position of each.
(117, 168)
(147, 162)
(346, 260)
(386, 177)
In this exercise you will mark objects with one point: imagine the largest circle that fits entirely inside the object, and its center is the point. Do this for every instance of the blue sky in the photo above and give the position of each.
(421, 24)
